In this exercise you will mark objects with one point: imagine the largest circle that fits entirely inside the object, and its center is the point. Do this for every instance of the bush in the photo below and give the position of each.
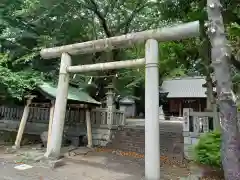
(208, 149)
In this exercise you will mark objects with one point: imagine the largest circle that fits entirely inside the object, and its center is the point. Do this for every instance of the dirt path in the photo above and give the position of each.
(93, 166)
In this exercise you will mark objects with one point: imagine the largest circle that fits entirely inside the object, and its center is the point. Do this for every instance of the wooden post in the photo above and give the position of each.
(60, 109)
(50, 123)
(152, 148)
(89, 128)
(23, 122)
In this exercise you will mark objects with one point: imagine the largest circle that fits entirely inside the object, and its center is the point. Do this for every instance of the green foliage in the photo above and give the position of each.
(208, 149)
(27, 26)
(233, 30)
(16, 84)
(191, 10)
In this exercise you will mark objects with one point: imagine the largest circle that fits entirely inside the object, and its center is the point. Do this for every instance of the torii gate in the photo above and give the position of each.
(152, 148)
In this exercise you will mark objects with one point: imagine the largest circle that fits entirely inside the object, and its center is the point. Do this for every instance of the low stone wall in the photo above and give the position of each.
(8, 138)
(102, 135)
(126, 138)
(133, 139)
(37, 128)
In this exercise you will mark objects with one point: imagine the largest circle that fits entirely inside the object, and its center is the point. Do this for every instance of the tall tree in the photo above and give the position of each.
(221, 55)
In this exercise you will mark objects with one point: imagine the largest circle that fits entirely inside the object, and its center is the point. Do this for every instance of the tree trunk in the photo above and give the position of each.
(220, 60)
(206, 56)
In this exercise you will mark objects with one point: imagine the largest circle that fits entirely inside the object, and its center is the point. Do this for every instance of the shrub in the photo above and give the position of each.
(208, 149)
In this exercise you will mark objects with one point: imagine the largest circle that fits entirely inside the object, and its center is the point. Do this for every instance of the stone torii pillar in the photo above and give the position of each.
(152, 136)
(54, 147)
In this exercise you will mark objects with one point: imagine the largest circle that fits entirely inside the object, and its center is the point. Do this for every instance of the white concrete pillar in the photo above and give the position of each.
(23, 122)
(186, 119)
(152, 146)
(205, 124)
(50, 124)
(110, 107)
(89, 128)
(60, 109)
(196, 125)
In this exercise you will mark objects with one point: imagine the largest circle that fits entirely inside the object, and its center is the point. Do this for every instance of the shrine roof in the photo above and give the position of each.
(74, 94)
(184, 87)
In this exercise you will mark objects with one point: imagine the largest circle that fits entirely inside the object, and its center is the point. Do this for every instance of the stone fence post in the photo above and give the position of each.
(186, 133)
(110, 107)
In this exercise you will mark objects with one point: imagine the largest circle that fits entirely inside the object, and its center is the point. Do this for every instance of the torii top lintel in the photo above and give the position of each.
(177, 32)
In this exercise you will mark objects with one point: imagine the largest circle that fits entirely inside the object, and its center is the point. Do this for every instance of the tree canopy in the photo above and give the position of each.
(27, 26)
